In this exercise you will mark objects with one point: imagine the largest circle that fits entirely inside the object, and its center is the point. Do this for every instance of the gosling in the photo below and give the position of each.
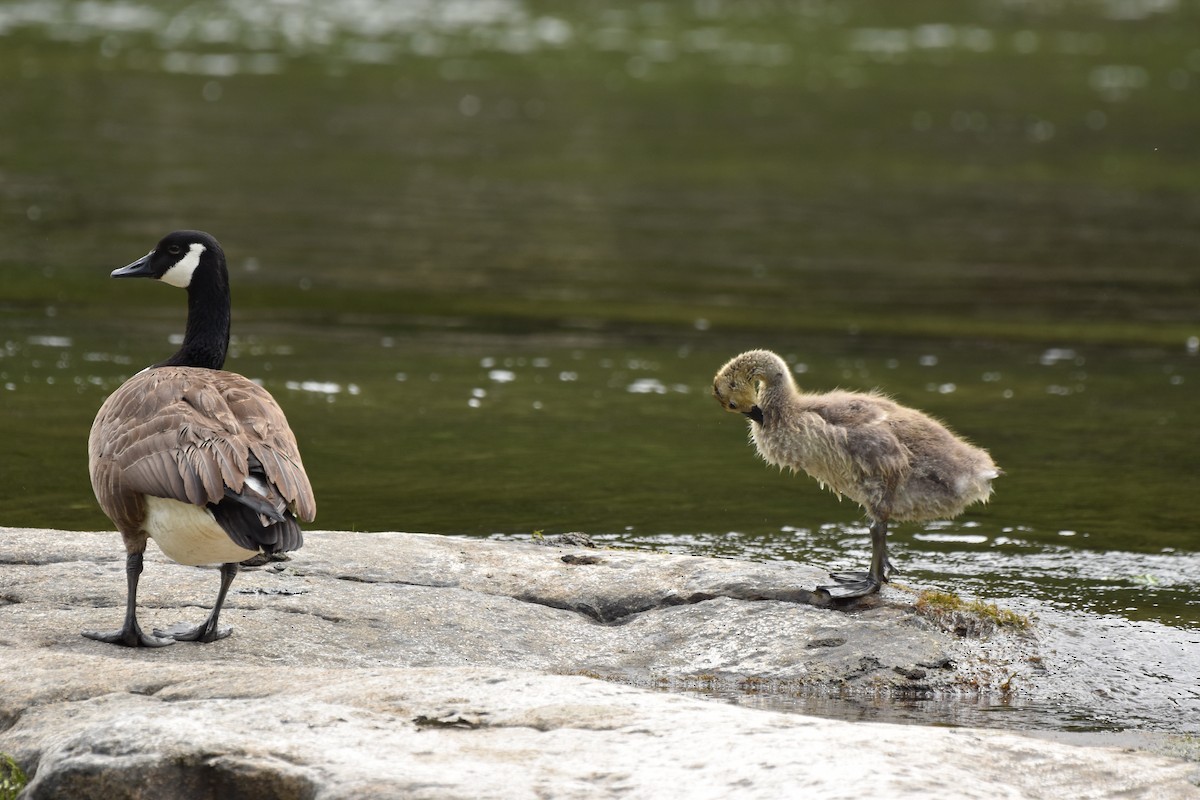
(896, 462)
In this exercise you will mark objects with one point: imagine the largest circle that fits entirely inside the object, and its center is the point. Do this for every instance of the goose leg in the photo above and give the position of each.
(130, 633)
(207, 631)
(860, 584)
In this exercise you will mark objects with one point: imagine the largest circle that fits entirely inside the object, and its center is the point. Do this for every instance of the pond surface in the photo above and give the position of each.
(489, 255)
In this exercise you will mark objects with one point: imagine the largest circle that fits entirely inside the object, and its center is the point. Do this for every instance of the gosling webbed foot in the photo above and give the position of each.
(849, 585)
(848, 589)
(130, 637)
(850, 577)
(204, 632)
(865, 577)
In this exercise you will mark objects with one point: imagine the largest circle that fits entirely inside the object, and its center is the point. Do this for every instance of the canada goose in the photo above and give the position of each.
(896, 462)
(196, 458)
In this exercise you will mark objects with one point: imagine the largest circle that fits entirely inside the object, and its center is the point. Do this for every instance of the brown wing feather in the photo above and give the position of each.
(186, 433)
(275, 447)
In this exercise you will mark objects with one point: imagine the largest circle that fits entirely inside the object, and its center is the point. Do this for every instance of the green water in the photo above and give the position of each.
(488, 257)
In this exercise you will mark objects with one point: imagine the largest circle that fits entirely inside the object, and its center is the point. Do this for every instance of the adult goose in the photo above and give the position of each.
(896, 462)
(196, 458)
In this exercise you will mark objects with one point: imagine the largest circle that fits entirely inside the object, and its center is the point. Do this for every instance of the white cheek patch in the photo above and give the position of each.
(181, 273)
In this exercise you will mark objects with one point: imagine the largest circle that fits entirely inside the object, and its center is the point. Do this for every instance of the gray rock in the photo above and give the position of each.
(403, 665)
(355, 599)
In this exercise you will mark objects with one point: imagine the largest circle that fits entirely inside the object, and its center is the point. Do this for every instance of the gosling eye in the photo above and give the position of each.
(732, 404)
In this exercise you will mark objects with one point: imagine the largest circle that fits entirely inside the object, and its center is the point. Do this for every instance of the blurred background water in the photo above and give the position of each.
(488, 255)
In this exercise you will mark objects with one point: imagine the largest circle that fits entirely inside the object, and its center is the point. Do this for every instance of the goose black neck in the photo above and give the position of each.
(206, 338)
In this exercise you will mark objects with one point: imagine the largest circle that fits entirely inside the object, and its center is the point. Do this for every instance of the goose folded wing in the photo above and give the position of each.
(174, 436)
(190, 464)
(190, 435)
(287, 476)
(269, 439)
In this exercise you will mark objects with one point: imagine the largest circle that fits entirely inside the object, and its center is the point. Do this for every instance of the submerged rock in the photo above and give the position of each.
(379, 665)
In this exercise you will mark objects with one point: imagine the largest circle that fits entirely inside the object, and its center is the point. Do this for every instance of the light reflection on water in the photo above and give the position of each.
(265, 38)
(504, 439)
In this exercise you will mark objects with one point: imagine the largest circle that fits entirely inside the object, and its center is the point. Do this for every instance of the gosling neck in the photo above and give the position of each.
(774, 377)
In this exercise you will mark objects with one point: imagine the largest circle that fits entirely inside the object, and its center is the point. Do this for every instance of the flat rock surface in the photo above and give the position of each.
(388, 664)
(416, 600)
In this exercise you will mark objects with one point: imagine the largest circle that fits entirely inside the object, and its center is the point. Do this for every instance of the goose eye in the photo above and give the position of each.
(174, 249)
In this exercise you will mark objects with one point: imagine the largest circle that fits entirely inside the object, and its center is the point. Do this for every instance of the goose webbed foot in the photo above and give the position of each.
(263, 559)
(130, 634)
(130, 637)
(207, 631)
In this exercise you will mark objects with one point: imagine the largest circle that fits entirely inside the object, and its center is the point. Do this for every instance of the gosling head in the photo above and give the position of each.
(737, 391)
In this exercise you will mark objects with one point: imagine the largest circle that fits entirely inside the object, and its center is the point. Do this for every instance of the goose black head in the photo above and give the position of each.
(194, 261)
(176, 259)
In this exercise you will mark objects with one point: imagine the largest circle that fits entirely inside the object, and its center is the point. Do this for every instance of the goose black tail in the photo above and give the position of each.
(257, 517)
(245, 525)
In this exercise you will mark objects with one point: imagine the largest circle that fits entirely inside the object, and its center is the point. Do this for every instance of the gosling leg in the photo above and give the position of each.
(130, 634)
(207, 631)
(860, 584)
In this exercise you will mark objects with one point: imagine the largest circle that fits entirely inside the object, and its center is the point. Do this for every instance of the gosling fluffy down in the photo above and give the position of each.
(896, 462)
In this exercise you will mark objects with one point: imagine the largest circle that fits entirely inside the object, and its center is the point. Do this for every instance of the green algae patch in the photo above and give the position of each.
(12, 777)
(968, 618)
